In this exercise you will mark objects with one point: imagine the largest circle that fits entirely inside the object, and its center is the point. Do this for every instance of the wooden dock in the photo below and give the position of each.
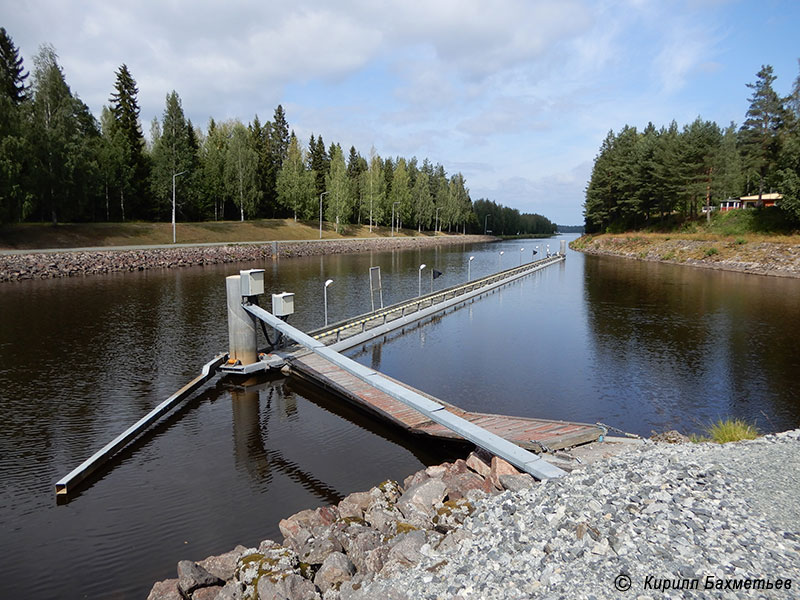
(528, 433)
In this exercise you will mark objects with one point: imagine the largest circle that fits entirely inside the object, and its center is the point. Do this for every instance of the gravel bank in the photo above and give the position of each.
(660, 515)
(658, 521)
(16, 267)
(761, 258)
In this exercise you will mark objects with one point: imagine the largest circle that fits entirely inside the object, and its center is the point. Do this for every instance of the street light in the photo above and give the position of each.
(393, 205)
(174, 175)
(325, 293)
(520, 255)
(500, 259)
(469, 268)
(320, 213)
(419, 277)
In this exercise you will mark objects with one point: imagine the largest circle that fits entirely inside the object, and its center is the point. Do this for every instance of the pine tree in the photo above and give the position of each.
(214, 153)
(15, 196)
(174, 154)
(134, 174)
(760, 135)
(12, 75)
(319, 163)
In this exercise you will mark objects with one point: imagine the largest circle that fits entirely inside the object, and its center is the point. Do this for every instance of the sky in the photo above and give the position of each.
(515, 94)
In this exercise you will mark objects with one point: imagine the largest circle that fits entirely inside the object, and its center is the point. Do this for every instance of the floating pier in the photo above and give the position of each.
(528, 433)
(316, 357)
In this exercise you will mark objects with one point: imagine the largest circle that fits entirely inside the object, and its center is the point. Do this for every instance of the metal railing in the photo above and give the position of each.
(363, 323)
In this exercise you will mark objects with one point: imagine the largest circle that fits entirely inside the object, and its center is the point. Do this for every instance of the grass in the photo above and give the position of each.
(729, 430)
(27, 236)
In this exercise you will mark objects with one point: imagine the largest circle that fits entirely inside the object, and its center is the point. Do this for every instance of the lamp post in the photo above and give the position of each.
(469, 268)
(419, 278)
(436, 226)
(521, 250)
(320, 213)
(500, 260)
(174, 175)
(325, 294)
(393, 205)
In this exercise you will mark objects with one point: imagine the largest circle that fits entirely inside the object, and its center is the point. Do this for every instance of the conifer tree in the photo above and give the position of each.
(760, 135)
(12, 73)
(133, 174)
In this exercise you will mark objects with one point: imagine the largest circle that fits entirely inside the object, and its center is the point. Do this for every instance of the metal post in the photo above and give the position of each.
(500, 260)
(485, 220)
(325, 293)
(320, 213)
(563, 250)
(174, 175)
(242, 339)
(520, 255)
(469, 268)
(419, 278)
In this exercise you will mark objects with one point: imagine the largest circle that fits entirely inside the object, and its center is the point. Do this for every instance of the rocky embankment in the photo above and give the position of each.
(762, 258)
(653, 522)
(45, 265)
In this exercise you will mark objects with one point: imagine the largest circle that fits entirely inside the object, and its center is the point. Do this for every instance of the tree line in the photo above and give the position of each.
(58, 163)
(642, 176)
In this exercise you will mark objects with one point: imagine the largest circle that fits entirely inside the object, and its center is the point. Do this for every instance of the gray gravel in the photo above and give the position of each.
(658, 516)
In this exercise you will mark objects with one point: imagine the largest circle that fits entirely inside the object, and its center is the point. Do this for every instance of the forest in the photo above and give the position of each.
(58, 163)
(672, 175)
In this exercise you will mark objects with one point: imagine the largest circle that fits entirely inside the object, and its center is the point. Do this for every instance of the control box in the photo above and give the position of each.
(283, 304)
(252, 281)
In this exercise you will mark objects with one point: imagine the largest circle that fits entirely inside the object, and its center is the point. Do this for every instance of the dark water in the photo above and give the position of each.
(636, 345)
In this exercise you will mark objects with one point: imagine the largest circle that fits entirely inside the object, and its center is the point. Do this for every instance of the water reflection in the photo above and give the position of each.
(692, 345)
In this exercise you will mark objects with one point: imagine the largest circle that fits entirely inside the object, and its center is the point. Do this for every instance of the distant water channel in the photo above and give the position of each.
(640, 346)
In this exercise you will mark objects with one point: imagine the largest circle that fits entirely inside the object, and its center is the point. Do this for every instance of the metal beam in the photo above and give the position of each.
(91, 464)
(519, 457)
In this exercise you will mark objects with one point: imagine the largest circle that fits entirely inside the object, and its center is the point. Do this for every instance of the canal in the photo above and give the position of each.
(640, 346)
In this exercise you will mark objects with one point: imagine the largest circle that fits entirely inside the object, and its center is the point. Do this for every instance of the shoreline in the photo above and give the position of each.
(776, 259)
(477, 528)
(83, 262)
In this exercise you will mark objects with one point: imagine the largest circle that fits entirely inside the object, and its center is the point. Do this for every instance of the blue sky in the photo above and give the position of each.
(515, 94)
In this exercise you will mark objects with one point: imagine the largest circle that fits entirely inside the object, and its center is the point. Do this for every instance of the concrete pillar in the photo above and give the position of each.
(563, 250)
(242, 341)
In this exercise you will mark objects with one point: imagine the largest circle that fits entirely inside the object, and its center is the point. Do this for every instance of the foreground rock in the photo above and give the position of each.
(658, 517)
(333, 551)
(14, 267)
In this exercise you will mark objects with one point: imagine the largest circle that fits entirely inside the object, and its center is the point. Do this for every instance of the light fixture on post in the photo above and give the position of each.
(174, 175)
(419, 278)
(500, 259)
(521, 250)
(469, 268)
(325, 294)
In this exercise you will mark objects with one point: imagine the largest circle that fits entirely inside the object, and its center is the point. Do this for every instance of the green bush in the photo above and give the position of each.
(712, 251)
